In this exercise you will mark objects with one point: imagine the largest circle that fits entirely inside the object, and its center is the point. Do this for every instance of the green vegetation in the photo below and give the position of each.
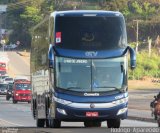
(146, 66)
(23, 15)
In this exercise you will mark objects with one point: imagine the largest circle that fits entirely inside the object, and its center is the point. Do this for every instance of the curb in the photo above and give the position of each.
(142, 119)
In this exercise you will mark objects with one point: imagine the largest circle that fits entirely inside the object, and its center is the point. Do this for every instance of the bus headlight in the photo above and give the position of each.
(62, 101)
(121, 111)
(121, 101)
(17, 94)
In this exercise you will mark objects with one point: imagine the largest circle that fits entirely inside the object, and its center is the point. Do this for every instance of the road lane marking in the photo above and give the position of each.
(4, 123)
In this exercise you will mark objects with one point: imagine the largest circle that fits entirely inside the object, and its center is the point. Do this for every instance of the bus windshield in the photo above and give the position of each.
(23, 86)
(90, 33)
(90, 75)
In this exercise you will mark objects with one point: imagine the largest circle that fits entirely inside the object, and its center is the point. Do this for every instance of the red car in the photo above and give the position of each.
(3, 69)
(22, 91)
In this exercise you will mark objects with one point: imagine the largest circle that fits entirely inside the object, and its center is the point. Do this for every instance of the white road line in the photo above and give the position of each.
(4, 123)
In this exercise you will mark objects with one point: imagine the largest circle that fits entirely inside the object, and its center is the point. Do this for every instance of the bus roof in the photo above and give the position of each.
(2, 62)
(87, 13)
(22, 81)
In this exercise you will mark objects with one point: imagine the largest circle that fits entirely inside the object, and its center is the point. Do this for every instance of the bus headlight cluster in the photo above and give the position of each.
(121, 101)
(62, 101)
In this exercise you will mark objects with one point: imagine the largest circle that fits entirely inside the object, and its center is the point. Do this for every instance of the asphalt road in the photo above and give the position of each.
(19, 115)
(15, 114)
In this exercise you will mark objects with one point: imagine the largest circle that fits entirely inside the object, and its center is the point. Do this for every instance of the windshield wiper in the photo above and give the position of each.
(70, 88)
(113, 88)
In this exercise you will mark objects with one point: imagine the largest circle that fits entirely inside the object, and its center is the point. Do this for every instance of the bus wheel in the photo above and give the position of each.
(92, 124)
(47, 123)
(54, 123)
(14, 101)
(113, 123)
(158, 121)
(40, 122)
(7, 98)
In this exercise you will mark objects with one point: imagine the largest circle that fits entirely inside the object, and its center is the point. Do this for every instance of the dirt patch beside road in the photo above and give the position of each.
(141, 93)
(142, 84)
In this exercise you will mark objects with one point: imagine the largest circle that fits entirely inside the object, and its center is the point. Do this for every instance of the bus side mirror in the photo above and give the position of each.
(132, 58)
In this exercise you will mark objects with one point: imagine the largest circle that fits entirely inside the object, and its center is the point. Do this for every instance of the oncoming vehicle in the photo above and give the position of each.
(3, 89)
(2, 66)
(9, 91)
(3, 69)
(2, 72)
(2, 77)
(8, 80)
(83, 75)
(22, 91)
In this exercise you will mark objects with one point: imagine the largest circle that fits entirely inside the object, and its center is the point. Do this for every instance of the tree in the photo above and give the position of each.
(148, 10)
(31, 16)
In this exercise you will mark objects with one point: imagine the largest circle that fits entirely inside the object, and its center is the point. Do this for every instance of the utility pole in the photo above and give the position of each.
(137, 34)
(149, 46)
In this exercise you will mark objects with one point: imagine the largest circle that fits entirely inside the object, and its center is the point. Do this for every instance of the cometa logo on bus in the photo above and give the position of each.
(91, 53)
(91, 94)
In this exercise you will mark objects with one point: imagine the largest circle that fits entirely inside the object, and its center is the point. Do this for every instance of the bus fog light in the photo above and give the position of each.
(62, 111)
(121, 111)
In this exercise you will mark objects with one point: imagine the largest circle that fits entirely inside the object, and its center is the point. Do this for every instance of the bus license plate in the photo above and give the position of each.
(92, 114)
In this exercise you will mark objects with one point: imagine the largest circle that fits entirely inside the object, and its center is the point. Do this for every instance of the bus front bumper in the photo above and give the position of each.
(68, 113)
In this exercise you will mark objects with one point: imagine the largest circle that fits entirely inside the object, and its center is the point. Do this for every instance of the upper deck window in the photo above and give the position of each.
(90, 32)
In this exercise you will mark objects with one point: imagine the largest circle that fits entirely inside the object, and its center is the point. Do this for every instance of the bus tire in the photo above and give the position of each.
(34, 108)
(158, 122)
(14, 101)
(47, 123)
(7, 98)
(113, 123)
(40, 122)
(54, 123)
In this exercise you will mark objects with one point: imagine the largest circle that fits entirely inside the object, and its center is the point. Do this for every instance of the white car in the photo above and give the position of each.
(3, 89)
(8, 80)
(2, 77)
